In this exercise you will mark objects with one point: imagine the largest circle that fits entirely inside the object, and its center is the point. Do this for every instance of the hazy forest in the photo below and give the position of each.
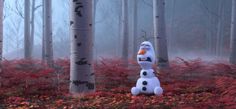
(117, 54)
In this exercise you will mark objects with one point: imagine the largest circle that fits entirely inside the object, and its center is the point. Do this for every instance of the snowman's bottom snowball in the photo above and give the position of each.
(158, 91)
(135, 91)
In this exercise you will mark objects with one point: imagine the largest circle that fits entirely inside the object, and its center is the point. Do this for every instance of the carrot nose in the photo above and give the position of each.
(141, 52)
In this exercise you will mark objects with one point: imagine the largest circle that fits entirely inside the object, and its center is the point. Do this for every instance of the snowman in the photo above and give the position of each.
(148, 83)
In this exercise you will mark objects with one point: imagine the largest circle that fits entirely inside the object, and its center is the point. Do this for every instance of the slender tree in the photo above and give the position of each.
(135, 17)
(1, 29)
(48, 33)
(172, 22)
(219, 35)
(125, 31)
(160, 41)
(43, 33)
(32, 27)
(233, 34)
(27, 30)
(81, 28)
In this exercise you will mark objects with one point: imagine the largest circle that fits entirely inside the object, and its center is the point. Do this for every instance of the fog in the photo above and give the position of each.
(187, 28)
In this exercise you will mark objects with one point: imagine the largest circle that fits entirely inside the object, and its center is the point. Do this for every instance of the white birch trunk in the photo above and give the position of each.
(1, 30)
(32, 28)
(233, 34)
(125, 31)
(48, 33)
(43, 32)
(219, 28)
(160, 41)
(81, 32)
(27, 30)
(171, 35)
(208, 34)
(135, 35)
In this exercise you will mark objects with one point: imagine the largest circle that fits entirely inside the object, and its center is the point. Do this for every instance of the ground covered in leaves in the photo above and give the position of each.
(186, 84)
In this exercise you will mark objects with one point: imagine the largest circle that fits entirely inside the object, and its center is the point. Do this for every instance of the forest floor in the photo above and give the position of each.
(187, 84)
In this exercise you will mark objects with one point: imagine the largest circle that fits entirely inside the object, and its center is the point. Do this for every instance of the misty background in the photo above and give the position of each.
(190, 25)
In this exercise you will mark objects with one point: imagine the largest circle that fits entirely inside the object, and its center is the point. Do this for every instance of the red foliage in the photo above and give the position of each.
(186, 84)
(111, 73)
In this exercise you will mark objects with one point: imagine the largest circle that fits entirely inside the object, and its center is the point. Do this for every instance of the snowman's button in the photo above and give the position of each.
(144, 88)
(145, 83)
(144, 73)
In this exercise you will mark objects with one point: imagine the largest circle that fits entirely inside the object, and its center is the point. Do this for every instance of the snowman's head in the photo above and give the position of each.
(146, 55)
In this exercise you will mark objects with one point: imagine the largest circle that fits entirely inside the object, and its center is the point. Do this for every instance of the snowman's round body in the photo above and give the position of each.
(148, 83)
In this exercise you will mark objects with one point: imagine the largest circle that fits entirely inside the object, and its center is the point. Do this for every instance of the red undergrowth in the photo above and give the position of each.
(186, 84)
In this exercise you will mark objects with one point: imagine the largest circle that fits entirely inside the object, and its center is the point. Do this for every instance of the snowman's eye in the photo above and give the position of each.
(142, 45)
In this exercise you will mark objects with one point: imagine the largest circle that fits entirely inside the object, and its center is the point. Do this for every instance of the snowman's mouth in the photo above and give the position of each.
(145, 59)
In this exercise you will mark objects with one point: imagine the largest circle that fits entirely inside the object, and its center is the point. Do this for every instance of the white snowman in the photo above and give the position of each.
(148, 83)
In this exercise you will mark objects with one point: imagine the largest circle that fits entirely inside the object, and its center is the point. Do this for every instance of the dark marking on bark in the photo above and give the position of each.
(82, 61)
(71, 23)
(78, 82)
(79, 44)
(90, 24)
(78, 7)
(88, 84)
(92, 74)
(75, 36)
(161, 60)
(163, 3)
(157, 16)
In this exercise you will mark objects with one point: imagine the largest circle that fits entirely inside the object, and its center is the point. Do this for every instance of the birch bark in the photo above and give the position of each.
(81, 29)
(160, 41)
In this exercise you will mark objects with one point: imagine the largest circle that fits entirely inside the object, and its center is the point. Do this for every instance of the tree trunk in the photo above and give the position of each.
(32, 28)
(1, 35)
(48, 33)
(160, 41)
(135, 35)
(171, 36)
(81, 70)
(233, 34)
(43, 32)
(221, 38)
(27, 30)
(125, 31)
(1, 32)
(219, 28)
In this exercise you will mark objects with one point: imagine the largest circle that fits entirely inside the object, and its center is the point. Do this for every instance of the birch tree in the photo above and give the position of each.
(27, 54)
(160, 41)
(135, 16)
(233, 34)
(81, 28)
(32, 27)
(125, 30)
(48, 32)
(43, 33)
(220, 25)
(172, 24)
(1, 29)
